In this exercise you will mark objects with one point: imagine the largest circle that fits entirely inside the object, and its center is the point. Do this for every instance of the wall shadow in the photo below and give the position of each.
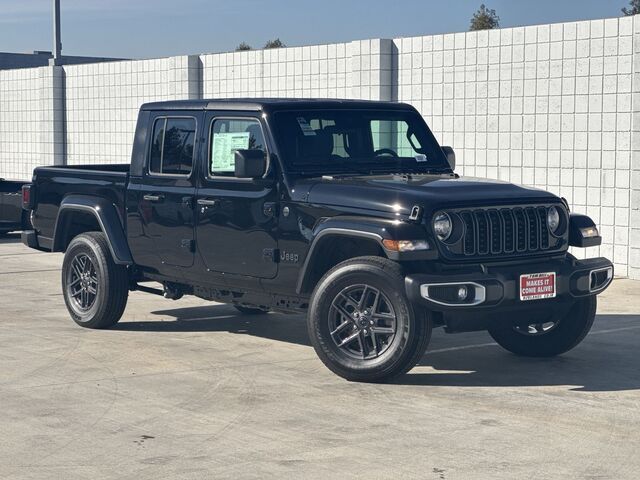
(606, 361)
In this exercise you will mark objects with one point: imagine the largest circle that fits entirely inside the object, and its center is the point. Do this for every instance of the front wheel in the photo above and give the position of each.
(361, 323)
(548, 338)
(95, 288)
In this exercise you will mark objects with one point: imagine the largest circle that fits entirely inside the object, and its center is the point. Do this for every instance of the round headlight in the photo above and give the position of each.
(553, 219)
(442, 226)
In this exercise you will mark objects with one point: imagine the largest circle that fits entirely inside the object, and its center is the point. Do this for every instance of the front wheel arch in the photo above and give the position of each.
(329, 250)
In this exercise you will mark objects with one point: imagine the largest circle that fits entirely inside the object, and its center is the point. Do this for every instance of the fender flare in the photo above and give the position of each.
(107, 217)
(374, 229)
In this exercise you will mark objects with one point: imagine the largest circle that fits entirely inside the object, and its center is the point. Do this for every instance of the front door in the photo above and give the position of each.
(165, 194)
(236, 229)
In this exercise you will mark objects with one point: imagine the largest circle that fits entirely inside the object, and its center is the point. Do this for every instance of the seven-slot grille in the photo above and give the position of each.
(513, 230)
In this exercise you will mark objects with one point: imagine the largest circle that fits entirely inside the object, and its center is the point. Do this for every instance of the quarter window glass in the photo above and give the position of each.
(173, 146)
(229, 135)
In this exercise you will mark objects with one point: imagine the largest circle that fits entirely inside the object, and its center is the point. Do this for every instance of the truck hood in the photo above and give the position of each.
(398, 194)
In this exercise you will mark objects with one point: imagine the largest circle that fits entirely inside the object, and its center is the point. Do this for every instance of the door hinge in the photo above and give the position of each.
(271, 254)
(188, 244)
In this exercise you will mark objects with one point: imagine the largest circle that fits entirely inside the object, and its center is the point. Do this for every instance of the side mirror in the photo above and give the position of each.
(250, 163)
(451, 156)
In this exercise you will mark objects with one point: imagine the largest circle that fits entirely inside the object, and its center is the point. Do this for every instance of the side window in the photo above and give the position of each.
(229, 135)
(172, 146)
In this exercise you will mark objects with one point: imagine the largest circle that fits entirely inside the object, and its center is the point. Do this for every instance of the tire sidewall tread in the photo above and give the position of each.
(113, 289)
(408, 348)
(570, 331)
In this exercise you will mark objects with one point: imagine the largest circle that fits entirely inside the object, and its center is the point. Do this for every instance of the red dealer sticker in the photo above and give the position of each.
(536, 286)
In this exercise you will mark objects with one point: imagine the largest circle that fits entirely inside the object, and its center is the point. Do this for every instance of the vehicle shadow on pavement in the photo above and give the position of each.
(10, 238)
(225, 318)
(606, 361)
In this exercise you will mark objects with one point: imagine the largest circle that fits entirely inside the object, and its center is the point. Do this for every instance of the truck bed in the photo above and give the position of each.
(52, 184)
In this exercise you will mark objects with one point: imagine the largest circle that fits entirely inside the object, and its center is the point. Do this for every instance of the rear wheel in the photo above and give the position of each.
(549, 338)
(361, 323)
(95, 288)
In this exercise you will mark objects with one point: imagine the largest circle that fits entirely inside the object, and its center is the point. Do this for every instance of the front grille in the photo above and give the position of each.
(501, 231)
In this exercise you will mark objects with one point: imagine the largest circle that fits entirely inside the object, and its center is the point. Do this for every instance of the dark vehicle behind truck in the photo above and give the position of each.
(12, 216)
(347, 210)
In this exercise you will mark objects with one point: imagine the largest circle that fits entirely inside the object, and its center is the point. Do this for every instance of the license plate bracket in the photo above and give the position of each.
(537, 286)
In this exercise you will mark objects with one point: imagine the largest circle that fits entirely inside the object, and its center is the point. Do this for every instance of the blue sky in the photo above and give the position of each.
(153, 28)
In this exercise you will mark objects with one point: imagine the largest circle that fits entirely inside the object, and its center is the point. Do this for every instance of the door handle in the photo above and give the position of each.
(205, 202)
(153, 198)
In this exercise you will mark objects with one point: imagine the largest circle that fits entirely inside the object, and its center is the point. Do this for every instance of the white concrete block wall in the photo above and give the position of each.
(548, 106)
(102, 106)
(634, 202)
(21, 112)
(311, 71)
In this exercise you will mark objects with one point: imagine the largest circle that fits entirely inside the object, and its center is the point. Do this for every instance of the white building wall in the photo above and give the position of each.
(102, 107)
(27, 100)
(102, 102)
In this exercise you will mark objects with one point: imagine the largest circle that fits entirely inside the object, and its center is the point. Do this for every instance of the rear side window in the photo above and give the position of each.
(172, 146)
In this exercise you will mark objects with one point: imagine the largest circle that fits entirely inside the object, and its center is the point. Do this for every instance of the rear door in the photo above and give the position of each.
(165, 193)
(237, 218)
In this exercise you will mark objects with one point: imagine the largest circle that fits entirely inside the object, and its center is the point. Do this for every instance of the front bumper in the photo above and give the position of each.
(497, 290)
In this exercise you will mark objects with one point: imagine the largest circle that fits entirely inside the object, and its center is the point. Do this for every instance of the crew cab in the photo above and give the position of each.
(349, 211)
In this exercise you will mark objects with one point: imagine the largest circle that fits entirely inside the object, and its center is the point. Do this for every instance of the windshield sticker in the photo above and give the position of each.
(420, 157)
(307, 130)
(223, 150)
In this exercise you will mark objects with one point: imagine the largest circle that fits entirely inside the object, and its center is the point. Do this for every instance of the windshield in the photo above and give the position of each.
(328, 142)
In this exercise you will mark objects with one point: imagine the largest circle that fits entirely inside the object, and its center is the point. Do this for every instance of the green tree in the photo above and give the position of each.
(485, 19)
(243, 47)
(634, 8)
(277, 43)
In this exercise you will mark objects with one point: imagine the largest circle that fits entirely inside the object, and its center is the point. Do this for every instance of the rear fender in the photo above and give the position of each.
(107, 217)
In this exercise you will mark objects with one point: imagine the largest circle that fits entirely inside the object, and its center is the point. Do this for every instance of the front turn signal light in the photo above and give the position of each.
(589, 232)
(406, 245)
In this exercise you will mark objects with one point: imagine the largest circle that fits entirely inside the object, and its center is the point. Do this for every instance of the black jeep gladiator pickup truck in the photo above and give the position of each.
(348, 210)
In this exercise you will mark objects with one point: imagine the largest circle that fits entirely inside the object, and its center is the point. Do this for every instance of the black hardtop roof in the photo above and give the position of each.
(272, 104)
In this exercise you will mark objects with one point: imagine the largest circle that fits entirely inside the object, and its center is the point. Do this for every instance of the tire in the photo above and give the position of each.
(105, 284)
(250, 310)
(561, 336)
(400, 332)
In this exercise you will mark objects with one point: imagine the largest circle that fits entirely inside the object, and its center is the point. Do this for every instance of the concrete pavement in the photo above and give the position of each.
(194, 390)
